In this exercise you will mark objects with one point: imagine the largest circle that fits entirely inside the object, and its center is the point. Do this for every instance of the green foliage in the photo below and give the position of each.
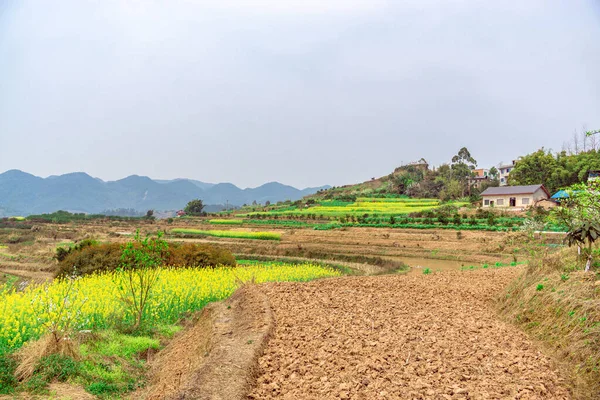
(590, 133)
(539, 287)
(103, 388)
(426, 271)
(580, 213)
(64, 217)
(7, 374)
(114, 344)
(226, 221)
(554, 171)
(230, 234)
(140, 260)
(50, 368)
(456, 220)
(194, 207)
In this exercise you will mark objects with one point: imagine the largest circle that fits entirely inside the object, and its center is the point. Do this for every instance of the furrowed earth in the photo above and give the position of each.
(399, 337)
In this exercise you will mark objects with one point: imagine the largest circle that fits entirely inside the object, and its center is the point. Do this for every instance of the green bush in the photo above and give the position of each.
(95, 257)
(7, 374)
(103, 388)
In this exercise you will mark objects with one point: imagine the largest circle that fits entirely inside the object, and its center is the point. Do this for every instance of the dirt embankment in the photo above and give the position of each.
(397, 337)
(217, 357)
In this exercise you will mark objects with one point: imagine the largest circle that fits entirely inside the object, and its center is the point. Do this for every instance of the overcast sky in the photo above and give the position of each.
(305, 92)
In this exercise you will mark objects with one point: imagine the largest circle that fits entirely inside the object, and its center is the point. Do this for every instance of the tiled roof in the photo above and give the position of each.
(506, 190)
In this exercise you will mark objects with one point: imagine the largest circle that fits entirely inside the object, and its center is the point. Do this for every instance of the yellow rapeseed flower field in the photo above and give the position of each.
(93, 302)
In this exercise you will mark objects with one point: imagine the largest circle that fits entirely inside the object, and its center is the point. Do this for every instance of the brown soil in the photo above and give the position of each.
(473, 247)
(217, 358)
(398, 337)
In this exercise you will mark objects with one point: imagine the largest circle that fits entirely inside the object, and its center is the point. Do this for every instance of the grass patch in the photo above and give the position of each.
(230, 234)
(261, 260)
(7, 374)
(114, 363)
(112, 343)
(498, 264)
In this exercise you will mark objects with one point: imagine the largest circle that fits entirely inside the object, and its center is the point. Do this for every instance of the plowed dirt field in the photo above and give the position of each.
(400, 337)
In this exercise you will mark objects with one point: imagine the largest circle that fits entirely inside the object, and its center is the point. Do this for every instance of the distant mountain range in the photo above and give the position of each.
(24, 194)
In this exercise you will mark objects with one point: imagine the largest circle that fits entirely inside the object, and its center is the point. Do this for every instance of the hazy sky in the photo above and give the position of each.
(305, 92)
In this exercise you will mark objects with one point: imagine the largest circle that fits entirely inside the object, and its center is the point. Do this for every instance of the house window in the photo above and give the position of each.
(502, 180)
(525, 200)
(486, 202)
(500, 202)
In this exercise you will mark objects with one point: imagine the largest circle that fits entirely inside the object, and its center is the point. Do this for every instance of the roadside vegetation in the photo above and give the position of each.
(557, 299)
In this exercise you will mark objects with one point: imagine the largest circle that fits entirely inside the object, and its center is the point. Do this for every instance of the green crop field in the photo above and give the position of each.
(230, 234)
(226, 221)
(371, 206)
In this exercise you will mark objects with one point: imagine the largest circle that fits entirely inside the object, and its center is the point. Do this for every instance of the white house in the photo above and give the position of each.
(517, 197)
(503, 172)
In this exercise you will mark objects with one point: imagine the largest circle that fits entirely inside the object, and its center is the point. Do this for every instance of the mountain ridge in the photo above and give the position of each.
(25, 193)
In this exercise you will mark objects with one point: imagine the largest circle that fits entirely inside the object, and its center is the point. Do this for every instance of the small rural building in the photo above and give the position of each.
(504, 171)
(481, 172)
(518, 197)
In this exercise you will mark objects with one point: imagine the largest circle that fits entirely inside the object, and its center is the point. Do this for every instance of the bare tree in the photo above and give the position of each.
(576, 141)
(593, 142)
(585, 137)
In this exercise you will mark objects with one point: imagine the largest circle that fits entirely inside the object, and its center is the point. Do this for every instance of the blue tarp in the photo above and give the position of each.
(561, 194)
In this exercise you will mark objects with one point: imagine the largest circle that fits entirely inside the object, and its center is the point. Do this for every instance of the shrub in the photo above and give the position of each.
(107, 257)
(63, 252)
(199, 255)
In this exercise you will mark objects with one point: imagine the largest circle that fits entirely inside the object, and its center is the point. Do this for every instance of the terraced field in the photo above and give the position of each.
(336, 208)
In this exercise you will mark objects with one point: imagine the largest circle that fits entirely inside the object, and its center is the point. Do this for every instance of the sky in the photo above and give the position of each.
(306, 93)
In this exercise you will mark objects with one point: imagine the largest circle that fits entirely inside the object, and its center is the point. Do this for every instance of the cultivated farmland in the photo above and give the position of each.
(337, 208)
(230, 234)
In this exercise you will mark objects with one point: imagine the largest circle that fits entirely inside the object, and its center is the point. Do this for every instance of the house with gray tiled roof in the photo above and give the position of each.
(517, 197)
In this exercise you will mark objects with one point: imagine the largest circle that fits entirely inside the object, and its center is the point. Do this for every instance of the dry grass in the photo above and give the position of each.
(30, 354)
(559, 305)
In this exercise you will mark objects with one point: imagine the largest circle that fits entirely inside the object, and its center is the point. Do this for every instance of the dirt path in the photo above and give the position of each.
(400, 337)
